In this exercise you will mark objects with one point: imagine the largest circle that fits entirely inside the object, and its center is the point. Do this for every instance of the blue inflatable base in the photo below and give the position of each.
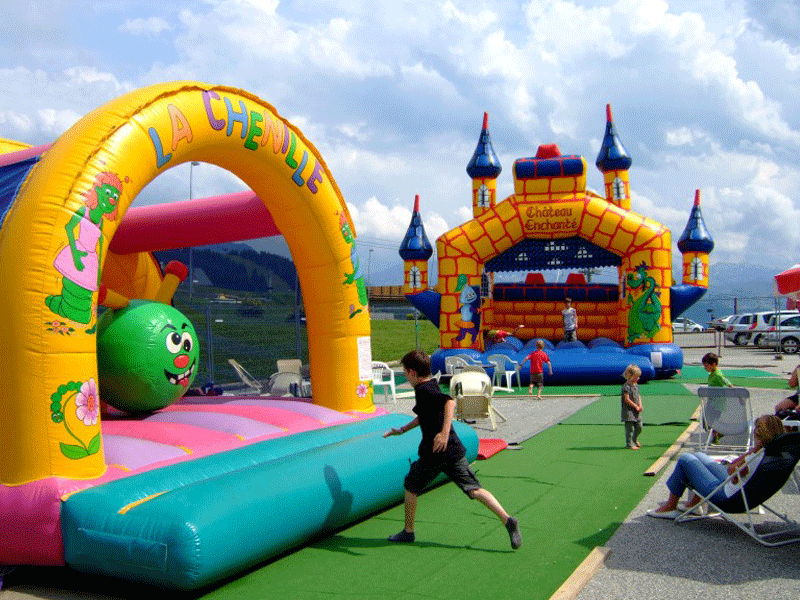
(191, 524)
(601, 361)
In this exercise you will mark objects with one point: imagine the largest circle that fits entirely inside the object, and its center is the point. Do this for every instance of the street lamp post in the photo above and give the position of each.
(192, 164)
(369, 272)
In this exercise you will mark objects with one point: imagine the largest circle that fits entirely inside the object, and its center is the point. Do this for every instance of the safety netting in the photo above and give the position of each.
(539, 255)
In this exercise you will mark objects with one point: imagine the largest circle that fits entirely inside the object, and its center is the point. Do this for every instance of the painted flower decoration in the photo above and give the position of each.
(87, 403)
(362, 390)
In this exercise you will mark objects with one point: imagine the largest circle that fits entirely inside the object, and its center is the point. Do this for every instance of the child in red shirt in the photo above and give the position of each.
(538, 357)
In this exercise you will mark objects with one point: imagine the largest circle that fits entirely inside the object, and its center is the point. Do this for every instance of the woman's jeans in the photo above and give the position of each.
(699, 472)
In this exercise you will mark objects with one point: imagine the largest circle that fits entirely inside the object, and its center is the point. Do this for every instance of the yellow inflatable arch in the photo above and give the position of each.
(122, 146)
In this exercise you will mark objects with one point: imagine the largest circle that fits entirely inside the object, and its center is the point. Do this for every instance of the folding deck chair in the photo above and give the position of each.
(472, 391)
(245, 377)
(725, 411)
(736, 498)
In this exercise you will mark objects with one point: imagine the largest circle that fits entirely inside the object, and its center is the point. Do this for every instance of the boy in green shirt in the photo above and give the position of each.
(715, 379)
(715, 376)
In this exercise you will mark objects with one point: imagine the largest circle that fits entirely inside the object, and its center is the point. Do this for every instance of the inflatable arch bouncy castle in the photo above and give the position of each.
(553, 221)
(184, 496)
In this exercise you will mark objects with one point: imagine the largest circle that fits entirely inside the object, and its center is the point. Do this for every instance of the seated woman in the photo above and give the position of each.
(702, 473)
(788, 406)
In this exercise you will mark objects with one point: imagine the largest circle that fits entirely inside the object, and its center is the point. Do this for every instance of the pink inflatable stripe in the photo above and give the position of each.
(135, 453)
(319, 414)
(14, 157)
(184, 436)
(31, 512)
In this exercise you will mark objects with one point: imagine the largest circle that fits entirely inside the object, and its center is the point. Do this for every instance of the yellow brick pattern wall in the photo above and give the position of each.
(422, 265)
(552, 208)
(689, 272)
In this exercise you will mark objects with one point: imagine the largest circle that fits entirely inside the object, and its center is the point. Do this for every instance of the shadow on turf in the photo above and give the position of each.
(341, 543)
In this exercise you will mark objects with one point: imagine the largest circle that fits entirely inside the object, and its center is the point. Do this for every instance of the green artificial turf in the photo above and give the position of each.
(751, 378)
(699, 372)
(571, 487)
(651, 388)
(658, 410)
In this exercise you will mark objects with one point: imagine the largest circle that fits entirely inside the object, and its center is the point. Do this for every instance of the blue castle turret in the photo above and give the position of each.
(483, 169)
(415, 250)
(695, 237)
(695, 244)
(415, 245)
(484, 161)
(614, 161)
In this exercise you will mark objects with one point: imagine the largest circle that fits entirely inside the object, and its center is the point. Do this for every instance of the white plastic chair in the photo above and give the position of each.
(383, 377)
(501, 364)
(472, 391)
(454, 365)
(289, 365)
(726, 411)
(285, 384)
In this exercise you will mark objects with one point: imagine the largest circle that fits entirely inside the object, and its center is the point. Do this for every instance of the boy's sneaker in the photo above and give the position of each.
(512, 525)
(403, 536)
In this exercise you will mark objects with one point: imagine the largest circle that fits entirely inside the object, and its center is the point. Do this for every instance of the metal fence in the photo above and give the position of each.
(258, 333)
(254, 334)
(709, 308)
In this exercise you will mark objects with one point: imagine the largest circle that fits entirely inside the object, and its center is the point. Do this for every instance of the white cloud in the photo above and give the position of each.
(57, 121)
(684, 136)
(18, 124)
(83, 74)
(380, 220)
(392, 93)
(149, 26)
(476, 22)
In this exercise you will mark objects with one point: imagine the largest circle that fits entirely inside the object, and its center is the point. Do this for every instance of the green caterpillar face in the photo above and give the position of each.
(146, 356)
(181, 349)
(107, 197)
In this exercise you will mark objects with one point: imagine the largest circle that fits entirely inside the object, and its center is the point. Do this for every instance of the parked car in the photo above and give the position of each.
(787, 337)
(738, 330)
(720, 323)
(763, 322)
(684, 324)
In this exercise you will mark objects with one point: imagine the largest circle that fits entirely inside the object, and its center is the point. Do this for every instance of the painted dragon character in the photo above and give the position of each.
(355, 277)
(644, 315)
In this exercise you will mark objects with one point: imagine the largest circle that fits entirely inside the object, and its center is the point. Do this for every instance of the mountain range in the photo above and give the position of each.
(734, 287)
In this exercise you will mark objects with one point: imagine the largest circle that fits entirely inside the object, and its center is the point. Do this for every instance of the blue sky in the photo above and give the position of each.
(705, 94)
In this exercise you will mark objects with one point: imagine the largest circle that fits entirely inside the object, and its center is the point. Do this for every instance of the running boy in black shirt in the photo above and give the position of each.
(440, 451)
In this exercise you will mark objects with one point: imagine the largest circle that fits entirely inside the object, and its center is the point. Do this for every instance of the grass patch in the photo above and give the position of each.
(392, 339)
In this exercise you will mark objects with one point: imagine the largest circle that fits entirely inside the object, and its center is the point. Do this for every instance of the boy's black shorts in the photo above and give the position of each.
(425, 470)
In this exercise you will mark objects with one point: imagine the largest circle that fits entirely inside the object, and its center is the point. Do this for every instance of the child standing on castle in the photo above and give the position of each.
(538, 357)
(632, 407)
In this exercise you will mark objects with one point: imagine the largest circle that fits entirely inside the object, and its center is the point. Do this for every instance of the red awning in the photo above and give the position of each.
(787, 283)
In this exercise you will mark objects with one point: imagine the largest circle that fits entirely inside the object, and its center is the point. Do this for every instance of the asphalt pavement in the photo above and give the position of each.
(655, 559)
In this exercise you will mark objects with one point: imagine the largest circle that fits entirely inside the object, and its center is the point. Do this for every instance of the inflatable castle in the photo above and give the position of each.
(187, 492)
(552, 221)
